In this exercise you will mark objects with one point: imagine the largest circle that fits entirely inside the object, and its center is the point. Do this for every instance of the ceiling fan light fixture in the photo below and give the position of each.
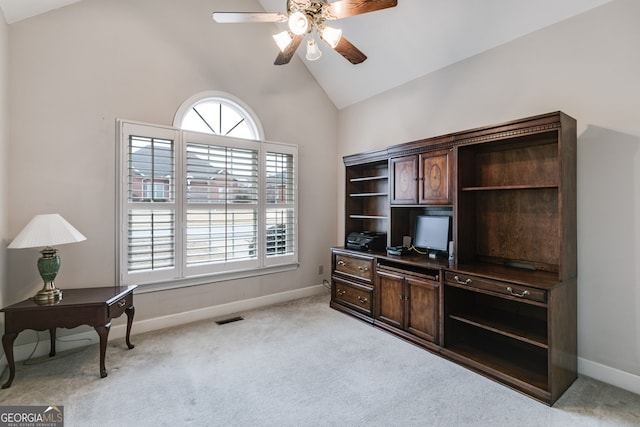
(283, 40)
(306, 17)
(313, 51)
(331, 35)
(299, 23)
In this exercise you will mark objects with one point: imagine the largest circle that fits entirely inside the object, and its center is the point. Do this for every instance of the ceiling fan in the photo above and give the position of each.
(306, 16)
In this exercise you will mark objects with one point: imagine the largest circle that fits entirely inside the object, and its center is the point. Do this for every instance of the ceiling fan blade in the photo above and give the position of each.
(345, 8)
(285, 57)
(242, 17)
(349, 51)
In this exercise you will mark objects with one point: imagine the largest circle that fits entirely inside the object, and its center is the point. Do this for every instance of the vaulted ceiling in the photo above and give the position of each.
(403, 43)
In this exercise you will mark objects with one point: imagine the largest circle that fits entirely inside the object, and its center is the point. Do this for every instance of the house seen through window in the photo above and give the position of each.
(207, 198)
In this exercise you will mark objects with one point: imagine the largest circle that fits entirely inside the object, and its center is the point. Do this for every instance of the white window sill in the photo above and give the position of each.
(212, 278)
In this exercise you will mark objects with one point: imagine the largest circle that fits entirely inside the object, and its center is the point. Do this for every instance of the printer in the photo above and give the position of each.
(367, 241)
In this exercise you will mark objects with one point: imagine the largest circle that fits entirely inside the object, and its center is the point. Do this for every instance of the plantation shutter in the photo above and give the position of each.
(222, 199)
(150, 208)
(280, 209)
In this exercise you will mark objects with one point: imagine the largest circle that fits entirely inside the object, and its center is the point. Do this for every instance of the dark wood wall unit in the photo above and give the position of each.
(504, 305)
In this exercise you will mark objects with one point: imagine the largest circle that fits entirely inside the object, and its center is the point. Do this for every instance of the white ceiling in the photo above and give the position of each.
(17, 10)
(411, 40)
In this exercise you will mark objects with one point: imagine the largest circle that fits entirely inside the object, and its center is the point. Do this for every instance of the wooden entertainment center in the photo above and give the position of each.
(505, 305)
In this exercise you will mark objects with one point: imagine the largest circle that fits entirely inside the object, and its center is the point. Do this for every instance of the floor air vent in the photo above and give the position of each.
(229, 320)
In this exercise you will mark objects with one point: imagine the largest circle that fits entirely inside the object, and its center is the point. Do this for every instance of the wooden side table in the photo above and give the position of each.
(90, 306)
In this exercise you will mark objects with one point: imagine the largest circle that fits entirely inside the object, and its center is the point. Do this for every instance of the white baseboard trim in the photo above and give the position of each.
(82, 339)
(609, 375)
(224, 309)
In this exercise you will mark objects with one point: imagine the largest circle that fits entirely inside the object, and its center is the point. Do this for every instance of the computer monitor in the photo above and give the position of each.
(431, 234)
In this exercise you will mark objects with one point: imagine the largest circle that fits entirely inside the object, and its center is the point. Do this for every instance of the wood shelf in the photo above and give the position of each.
(368, 217)
(530, 331)
(369, 178)
(509, 187)
(368, 194)
(509, 361)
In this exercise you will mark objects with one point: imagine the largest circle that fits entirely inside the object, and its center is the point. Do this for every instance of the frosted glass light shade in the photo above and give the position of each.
(313, 51)
(331, 35)
(46, 230)
(298, 23)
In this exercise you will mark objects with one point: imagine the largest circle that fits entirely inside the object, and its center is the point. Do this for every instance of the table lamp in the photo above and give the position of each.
(47, 230)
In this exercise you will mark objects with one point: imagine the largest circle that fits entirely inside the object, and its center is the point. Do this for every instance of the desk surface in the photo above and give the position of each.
(71, 297)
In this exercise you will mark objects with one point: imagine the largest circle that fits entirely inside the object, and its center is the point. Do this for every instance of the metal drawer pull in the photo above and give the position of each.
(340, 292)
(341, 263)
(122, 303)
(522, 295)
(362, 300)
(363, 269)
(466, 282)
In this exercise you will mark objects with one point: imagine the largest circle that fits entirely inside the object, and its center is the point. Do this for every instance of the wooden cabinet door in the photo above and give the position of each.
(404, 176)
(435, 177)
(422, 308)
(390, 298)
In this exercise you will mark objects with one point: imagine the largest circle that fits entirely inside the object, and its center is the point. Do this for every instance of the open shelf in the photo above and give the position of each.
(510, 201)
(530, 160)
(367, 201)
(528, 220)
(525, 329)
(502, 355)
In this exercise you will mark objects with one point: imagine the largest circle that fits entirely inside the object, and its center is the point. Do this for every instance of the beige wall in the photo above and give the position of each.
(587, 67)
(76, 69)
(4, 140)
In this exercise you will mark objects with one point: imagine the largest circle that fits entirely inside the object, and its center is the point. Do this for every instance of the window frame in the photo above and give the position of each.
(226, 99)
(181, 274)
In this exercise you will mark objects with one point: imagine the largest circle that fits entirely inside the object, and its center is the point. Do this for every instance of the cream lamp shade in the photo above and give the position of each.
(46, 230)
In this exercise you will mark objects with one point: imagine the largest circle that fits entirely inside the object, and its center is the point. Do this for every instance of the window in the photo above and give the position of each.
(196, 204)
(218, 113)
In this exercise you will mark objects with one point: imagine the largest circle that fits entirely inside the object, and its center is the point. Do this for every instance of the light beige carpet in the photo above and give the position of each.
(294, 364)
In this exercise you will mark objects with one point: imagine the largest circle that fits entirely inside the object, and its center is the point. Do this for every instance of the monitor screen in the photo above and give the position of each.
(432, 232)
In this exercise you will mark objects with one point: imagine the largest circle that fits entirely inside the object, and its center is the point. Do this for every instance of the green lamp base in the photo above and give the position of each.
(48, 266)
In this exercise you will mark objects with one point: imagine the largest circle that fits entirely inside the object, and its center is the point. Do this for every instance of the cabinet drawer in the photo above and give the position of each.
(353, 265)
(352, 295)
(119, 306)
(505, 288)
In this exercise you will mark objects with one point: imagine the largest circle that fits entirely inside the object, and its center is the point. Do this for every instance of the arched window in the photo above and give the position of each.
(208, 197)
(218, 113)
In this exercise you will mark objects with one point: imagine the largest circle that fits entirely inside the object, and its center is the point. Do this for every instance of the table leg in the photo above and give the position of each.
(7, 344)
(103, 332)
(52, 335)
(130, 312)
